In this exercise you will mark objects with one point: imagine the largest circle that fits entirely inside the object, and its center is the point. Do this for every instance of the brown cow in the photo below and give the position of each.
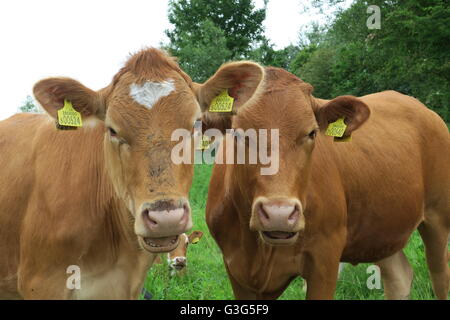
(177, 259)
(99, 203)
(330, 201)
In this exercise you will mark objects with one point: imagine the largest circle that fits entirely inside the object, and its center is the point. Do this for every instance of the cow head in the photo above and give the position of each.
(148, 99)
(177, 259)
(272, 98)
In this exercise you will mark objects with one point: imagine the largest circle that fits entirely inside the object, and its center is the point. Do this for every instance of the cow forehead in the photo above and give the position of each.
(150, 92)
(286, 109)
(181, 249)
(138, 103)
(282, 96)
(151, 86)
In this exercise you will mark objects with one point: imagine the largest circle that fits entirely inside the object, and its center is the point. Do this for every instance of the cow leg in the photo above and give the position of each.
(321, 266)
(321, 287)
(341, 268)
(434, 233)
(397, 276)
(321, 278)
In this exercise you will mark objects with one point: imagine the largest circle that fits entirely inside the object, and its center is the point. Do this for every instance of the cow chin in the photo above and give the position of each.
(159, 245)
(279, 238)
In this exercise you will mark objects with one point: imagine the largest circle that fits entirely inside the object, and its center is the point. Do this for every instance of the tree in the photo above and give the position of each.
(29, 106)
(201, 58)
(310, 38)
(239, 21)
(318, 72)
(267, 55)
(410, 53)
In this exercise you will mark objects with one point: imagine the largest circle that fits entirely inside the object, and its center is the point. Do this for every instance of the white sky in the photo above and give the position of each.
(89, 40)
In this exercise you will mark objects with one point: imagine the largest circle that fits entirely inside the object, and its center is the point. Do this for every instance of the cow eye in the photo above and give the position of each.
(112, 132)
(312, 134)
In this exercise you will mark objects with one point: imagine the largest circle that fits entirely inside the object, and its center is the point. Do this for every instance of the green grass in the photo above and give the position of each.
(206, 276)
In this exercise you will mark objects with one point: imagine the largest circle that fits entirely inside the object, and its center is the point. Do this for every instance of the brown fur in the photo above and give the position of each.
(73, 197)
(361, 199)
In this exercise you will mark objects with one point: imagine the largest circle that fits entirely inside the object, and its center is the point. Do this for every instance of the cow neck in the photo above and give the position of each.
(259, 259)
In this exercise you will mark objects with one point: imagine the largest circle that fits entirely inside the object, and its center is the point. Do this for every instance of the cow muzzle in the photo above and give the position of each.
(178, 263)
(164, 221)
(278, 220)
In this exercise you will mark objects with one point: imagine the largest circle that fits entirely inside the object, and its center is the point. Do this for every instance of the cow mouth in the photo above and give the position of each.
(178, 267)
(159, 245)
(279, 237)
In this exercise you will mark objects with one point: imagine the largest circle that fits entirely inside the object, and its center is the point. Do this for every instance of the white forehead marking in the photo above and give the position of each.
(149, 93)
(184, 235)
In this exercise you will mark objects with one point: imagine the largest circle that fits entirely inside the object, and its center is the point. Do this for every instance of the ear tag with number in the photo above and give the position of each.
(68, 116)
(337, 129)
(222, 103)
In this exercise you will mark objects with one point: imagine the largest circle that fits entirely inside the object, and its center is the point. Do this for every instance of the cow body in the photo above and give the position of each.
(83, 213)
(361, 202)
(72, 200)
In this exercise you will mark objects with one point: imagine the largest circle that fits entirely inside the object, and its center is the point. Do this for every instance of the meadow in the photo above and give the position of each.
(206, 277)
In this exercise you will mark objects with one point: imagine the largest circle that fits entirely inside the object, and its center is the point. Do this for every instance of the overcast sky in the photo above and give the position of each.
(89, 40)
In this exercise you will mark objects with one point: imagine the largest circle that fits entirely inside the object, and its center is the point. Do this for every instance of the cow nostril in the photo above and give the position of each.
(145, 213)
(263, 212)
(293, 216)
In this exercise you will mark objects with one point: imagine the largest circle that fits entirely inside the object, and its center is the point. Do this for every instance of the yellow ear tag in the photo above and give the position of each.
(195, 240)
(336, 129)
(204, 143)
(222, 103)
(68, 116)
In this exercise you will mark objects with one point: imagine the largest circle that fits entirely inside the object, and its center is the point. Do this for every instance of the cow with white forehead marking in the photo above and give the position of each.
(104, 199)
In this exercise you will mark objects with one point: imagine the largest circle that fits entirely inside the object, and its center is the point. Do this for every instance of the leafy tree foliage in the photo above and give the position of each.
(239, 21)
(268, 56)
(203, 56)
(410, 53)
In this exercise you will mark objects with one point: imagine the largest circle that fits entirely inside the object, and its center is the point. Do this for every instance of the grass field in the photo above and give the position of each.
(206, 277)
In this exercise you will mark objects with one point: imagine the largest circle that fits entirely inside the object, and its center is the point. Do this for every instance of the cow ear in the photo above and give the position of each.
(195, 237)
(52, 92)
(241, 80)
(353, 110)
